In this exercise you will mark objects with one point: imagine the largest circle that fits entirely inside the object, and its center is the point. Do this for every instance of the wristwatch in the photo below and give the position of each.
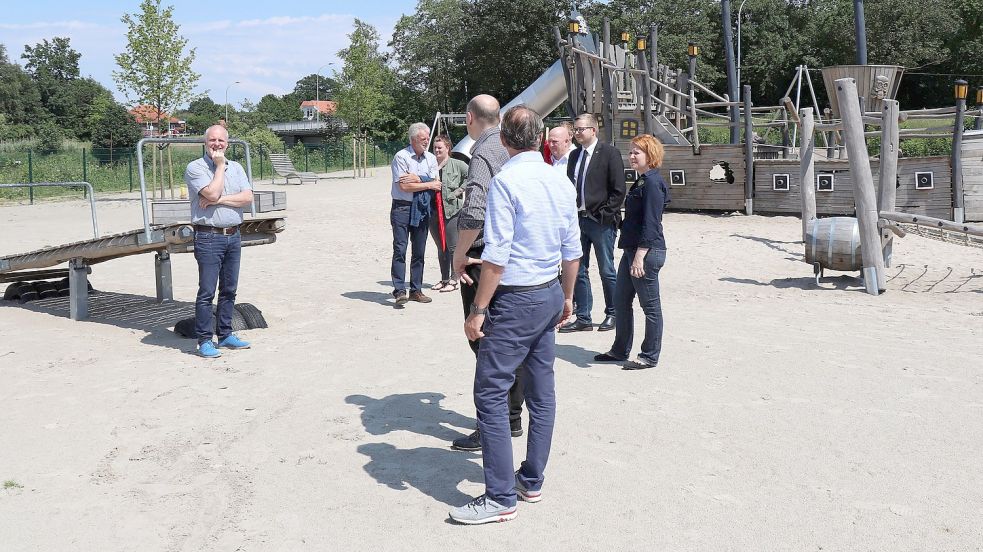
(475, 309)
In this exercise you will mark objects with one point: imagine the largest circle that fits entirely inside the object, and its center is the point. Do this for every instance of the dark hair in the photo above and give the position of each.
(522, 128)
(446, 140)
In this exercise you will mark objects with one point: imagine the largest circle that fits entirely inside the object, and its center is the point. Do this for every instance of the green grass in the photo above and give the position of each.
(11, 484)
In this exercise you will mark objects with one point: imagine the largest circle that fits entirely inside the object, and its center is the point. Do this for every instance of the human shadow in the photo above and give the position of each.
(841, 282)
(777, 245)
(417, 412)
(370, 297)
(123, 310)
(436, 472)
(575, 354)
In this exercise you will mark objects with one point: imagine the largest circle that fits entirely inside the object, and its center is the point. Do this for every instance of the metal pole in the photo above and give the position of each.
(732, 82)
(227, 101)
(30, 174)
(861, 32)
(129, 168)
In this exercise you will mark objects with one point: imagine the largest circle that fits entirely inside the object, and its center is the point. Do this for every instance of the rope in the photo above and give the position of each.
(956, 238)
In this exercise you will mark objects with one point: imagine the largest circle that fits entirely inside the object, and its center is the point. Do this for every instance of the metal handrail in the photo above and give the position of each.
(92, 197)
(171, 140)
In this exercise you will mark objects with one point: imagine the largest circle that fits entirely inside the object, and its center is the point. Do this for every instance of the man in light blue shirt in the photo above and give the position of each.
(414, 182)
(531, 235)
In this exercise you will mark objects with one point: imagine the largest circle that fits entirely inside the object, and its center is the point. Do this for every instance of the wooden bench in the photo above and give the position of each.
(284, 167)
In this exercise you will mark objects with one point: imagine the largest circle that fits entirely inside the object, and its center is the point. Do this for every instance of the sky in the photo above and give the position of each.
(265, 45)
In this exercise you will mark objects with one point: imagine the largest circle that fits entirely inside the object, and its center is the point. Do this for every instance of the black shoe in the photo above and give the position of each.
(608, 324)
(471, 443)
(576, 326)
(637, 365)
(400, 296)
(516, 428)
(605, 357)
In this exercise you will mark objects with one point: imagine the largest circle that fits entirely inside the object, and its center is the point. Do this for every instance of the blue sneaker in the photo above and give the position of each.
(232, 341)
(207, 349)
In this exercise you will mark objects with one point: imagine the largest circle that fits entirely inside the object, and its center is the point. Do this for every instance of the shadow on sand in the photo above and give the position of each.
(434, 471)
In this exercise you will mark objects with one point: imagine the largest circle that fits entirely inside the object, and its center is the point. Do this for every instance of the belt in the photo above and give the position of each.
(216, 230)
(514, 289)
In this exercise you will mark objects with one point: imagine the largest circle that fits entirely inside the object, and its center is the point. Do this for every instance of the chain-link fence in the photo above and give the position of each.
(115, 170)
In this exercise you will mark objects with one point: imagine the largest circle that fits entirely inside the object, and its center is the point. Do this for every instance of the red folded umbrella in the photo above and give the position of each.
(440, 221)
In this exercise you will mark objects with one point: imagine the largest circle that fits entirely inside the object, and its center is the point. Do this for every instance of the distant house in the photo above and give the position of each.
(310, 108)
(147, 115)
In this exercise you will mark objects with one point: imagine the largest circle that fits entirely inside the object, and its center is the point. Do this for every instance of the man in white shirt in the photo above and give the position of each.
(560, 141)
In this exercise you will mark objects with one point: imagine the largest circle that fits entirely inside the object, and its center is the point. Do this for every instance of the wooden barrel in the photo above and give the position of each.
(834, 243)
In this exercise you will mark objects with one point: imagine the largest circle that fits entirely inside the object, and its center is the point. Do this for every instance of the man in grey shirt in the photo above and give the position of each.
(487, 157)
(218, 189)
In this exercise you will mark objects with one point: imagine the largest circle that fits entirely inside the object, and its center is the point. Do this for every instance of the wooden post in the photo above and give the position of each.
(732, 83)
(748, 153)
(354, 157)
(807, 170)
(647, 122)
(958, 210)
(888, 174)
(863, 185)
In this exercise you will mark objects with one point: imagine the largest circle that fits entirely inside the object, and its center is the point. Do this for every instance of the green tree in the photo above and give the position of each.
(154, 69)
(20, 99)
(279, 109)
(315, 86)
(113, 128)
(364, 97)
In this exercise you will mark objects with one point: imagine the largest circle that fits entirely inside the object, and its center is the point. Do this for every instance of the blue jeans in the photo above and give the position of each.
(218, 263)
(399, 217)
(647, 289)
(519, 330)
(602, 237)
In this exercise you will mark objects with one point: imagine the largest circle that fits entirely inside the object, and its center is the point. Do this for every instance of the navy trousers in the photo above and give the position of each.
(218, 259)
(647, 289)
(416, 236)
(519, 330)
(602, 237)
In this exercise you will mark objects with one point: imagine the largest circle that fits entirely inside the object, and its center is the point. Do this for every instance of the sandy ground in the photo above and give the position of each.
(783, 416)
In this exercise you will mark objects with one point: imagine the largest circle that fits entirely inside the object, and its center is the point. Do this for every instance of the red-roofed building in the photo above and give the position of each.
(147, 115)
(312, 107)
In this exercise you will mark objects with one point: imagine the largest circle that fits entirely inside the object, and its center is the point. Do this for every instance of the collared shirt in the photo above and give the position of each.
(586, 153)
(531, 222)
(561, 163)
(406, 161)
(487, 158)
(198, 175)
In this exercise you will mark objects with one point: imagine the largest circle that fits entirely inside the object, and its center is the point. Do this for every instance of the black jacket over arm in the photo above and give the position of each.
(604, 183)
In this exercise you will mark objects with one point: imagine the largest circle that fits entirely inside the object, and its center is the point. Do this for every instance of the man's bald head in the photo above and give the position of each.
(216, 128)
(560, 140)
(484, 108)
(216, 140)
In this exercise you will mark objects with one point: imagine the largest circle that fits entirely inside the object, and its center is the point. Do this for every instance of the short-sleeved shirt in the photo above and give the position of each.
(198, 175)
(531, 221)
(406, 161)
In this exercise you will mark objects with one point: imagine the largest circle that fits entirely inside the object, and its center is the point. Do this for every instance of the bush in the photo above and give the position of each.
(49, 137)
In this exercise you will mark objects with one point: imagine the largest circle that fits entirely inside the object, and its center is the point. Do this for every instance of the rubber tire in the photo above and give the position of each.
(252, 316)
(12, 293)
(46, 290)
(28, 293)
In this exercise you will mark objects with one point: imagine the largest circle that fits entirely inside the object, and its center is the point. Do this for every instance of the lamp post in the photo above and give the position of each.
(227, 101)
(960, 91)
(317, 91)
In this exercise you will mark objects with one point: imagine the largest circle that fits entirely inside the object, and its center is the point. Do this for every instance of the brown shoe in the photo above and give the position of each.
(419, 297)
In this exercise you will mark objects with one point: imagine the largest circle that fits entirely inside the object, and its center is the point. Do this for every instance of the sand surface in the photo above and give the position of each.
(783, 416)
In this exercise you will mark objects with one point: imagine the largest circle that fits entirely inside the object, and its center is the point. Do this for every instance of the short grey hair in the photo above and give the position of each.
(415, 129)
(522, 128)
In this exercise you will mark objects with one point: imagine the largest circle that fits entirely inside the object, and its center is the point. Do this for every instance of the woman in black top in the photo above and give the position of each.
(644, 254)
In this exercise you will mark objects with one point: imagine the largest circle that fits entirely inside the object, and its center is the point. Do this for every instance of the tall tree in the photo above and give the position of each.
(315, 86)
(154, 69)
(365, 83)
(20, 99)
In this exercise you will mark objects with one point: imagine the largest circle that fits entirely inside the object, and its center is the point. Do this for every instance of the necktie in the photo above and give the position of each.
(580, 179)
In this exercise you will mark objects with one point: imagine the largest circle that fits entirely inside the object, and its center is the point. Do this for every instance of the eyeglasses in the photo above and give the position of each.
(578, 130)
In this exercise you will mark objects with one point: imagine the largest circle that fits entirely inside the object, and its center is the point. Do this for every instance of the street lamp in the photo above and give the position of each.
(227, 101)
(739, 8)
(317, 91)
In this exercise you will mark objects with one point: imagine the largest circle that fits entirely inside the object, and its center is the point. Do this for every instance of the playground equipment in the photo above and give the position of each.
(865, 242)
(161, 239)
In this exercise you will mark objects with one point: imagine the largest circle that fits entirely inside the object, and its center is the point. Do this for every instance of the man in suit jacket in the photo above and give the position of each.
(598, 173)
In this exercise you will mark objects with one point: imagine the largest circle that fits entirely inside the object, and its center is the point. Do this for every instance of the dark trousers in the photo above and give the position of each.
(467, 297)
(519, 331)
(444, 257)
(218, 259)
(399, 217)
(602, 237)
(647, 289)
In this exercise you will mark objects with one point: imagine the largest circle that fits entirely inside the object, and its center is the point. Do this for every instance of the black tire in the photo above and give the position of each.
(62, 285)
(12, 293)
(28, 293)
(46, 290)
(252, 315)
